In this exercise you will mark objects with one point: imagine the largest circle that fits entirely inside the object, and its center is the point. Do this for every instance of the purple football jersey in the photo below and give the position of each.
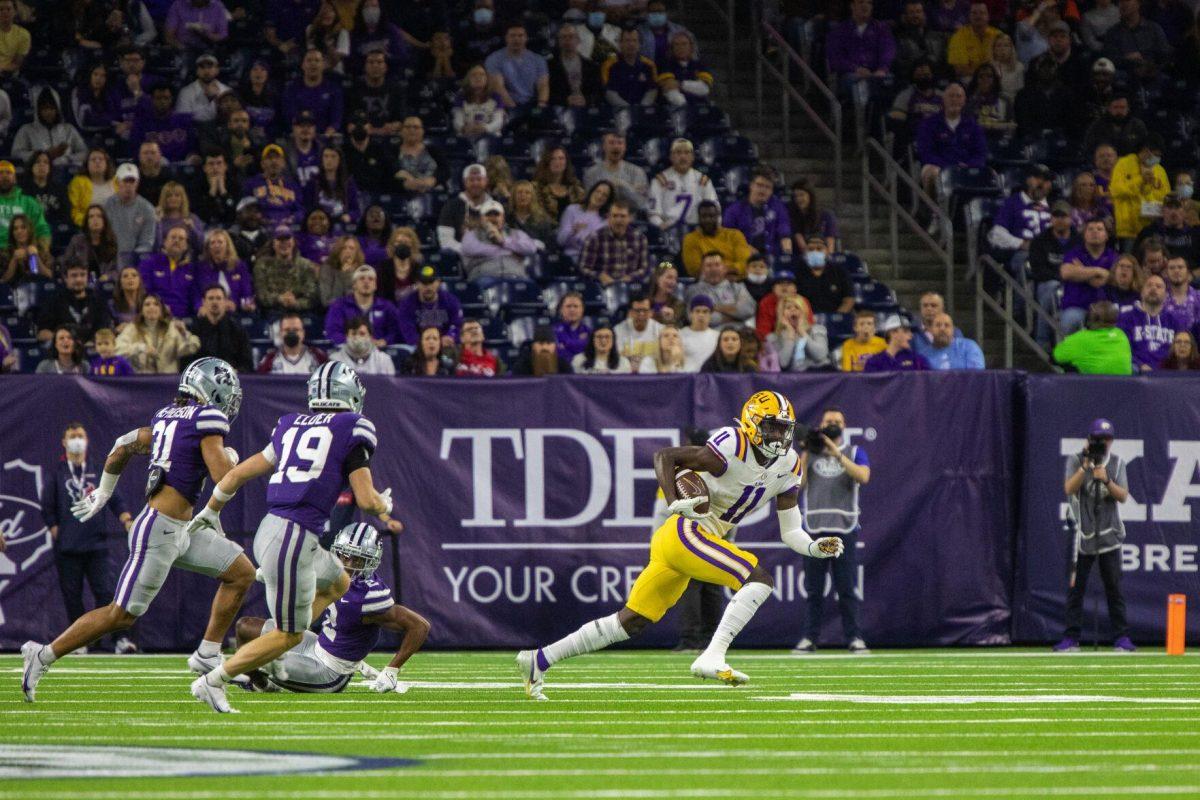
(344, 635)
(306, 166)
(177, 432)
(310, 453)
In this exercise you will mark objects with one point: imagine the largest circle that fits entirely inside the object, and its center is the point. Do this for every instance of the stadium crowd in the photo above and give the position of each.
(413, 188)
(1062, 131)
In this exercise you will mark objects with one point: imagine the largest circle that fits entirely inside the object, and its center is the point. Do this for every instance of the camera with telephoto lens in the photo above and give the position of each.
(813, 441)
(1096, 450)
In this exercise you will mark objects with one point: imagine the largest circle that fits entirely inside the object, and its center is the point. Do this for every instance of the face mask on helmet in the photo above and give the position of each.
(776, 435)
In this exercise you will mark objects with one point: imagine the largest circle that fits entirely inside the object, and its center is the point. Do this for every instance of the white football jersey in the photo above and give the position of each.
(674, 197)
(744, 485)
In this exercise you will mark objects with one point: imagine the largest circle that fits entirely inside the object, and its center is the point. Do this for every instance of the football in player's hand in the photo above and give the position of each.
(688, 485)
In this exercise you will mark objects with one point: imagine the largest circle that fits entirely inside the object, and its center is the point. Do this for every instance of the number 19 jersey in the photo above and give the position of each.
(744, 484)
(310, 452)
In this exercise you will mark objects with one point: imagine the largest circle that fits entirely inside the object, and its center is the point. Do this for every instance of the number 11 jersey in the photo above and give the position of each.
(313, 456)
(743, 484)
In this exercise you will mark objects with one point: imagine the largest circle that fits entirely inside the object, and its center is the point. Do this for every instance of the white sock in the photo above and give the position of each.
(208, 648)
(218, 677)
(596, 635)
(46, 655)
(739, 611)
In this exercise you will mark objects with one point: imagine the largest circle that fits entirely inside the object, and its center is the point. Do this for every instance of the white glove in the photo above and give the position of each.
(90, 505)
(686, 507)
(233, 456)
(827, 547)
(385, 681)
(367, 671)
(207, 519)
(386, 497)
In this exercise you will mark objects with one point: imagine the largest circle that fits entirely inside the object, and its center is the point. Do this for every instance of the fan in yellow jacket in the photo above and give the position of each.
(93, 185)
(1139, 184)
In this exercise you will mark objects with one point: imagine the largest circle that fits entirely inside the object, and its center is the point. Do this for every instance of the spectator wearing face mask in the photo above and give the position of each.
(1139, 186)
(359, 351)
(292, 356)
(825, 285)
(80, 548)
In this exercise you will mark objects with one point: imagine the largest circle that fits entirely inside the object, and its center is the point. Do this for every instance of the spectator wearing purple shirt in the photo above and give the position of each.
(1084, 273)
(169, 274)
(949, 139)
(128, 89)
(373, 32)
(629, 78)
(157, 122)
(1150, 326)
(761, 217)
(363, 302)
(429, 305)
(278, 195)
(220, 266)
(859, 49)
(1022, 216)
(8, 356)
(520, 76)
(570, 331)
(1182, 300)
(899, 356)
(196, 24)
(314, 92)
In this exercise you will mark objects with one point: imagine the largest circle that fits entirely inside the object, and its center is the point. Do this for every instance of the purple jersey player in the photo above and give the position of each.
(326, 663)
(186, 444)
(312, 457)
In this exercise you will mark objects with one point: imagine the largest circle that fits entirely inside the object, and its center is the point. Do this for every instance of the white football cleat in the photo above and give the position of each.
(34, 669)
(212, 696)
(716, 669)
(202, 665)
(533, 677)
(125, 646)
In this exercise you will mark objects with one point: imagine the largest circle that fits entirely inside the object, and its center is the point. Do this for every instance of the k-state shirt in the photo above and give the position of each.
(1150, 335)
(309, 451)
(344, 634)
(176, 433)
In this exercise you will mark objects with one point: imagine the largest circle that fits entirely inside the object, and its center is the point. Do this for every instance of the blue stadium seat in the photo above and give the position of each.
(874, 296)
(446, 264)
(838, 327)
(639, 122)
(29, 355)
(254, 326)
(469, 296)
(1008, 152)
(698, 121)
(557, 265)
(495, 332)
(520, 329)
(730, 149)
(6, 298)
(850, 262)
(18, 327)
(519, 296)
(587, 121)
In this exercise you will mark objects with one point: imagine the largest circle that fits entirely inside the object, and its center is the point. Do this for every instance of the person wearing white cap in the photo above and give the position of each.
(494, 250)
(463, 210)
(131, 216)
(676, 192)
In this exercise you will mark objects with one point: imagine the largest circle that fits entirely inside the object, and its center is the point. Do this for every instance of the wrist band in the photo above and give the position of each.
(224, 497)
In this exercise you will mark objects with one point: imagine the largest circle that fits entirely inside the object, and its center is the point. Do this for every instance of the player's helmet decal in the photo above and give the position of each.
(769, 422)
(213, 381)
(335, 387)
(357, 545)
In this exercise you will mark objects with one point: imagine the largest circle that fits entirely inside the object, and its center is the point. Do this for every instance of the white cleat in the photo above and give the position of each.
(533, 677)
(717, 670)
(211, 696)
(34, 669)
(202, 665)
(125, 646)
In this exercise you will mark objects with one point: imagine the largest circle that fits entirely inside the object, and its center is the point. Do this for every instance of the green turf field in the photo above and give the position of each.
(935, 723)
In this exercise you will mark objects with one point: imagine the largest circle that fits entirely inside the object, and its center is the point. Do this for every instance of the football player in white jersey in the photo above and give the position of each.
(676, 192)
(743, 467)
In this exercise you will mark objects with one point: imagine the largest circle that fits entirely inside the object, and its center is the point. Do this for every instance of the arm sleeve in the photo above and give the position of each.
(358, 457)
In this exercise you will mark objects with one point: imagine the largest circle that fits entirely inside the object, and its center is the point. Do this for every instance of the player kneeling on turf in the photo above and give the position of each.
(326, 663)
(741, 468)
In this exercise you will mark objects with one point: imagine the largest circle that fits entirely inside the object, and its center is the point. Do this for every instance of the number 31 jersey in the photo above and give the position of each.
(176, 433)
(744, 485)
(310, 452)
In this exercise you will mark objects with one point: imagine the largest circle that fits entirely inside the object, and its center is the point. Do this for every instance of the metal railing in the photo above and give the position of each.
(894, 174)
(1013, 328)
(789, 61)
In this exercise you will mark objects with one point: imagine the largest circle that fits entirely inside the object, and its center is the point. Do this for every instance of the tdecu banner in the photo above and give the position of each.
(528, 504)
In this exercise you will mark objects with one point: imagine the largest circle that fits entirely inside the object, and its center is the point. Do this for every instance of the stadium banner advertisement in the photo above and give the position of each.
(528, 504)
(1157, 422)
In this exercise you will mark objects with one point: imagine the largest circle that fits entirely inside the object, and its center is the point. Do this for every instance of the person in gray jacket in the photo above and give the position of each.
(731, 302)
(132, 218)
(1095, 485)
(50, 132)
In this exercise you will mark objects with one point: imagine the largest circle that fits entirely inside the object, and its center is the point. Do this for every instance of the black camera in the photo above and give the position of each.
(1096, 450)
(814, 441)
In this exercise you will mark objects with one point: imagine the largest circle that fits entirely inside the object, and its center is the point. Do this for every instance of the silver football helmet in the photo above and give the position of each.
(335, 387)
(213, 381)
(358, 547)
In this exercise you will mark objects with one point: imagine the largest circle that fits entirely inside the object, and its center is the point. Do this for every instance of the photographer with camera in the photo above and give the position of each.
(1095, 483)
(832, 473)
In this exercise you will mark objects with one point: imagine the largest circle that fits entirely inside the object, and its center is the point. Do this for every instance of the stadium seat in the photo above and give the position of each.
(874, 296)
(520, 329)
(698, 121)
(6, 298)
(446, 263)
(729, 149)
(587, 121)
(469, 296)
(854, 266)
(495, 332)
(838, 327)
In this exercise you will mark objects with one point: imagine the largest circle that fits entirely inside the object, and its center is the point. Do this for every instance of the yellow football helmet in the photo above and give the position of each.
(769, 422)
